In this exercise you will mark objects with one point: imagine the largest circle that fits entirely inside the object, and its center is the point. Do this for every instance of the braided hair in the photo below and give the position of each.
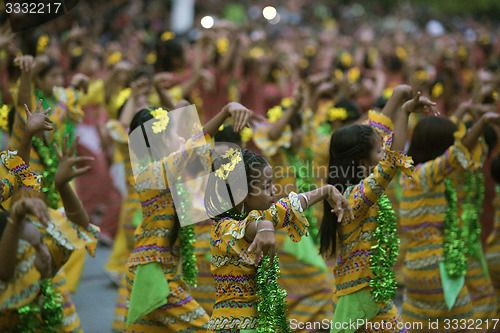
(216, 187)
(348, 146)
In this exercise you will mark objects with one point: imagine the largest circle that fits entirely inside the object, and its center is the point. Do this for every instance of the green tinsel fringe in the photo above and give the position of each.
(384, 253)
(454, 247)
(272, 304)
(475, 186)
(50, 162)
(45, 314)
(186, 236)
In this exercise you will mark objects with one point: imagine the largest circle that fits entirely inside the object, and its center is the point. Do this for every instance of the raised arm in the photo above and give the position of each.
(73, 206)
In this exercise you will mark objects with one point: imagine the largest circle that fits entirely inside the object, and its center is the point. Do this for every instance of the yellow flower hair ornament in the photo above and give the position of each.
(437, 90)
(346, 59)
(42, 43)
(167, 35)
(162, 116)
(353, 75)
(234, 158)
(4, 117)
(222, 44)
(337, 114)
(274, 113)
(246, 134)
(114, 58)
(387, 93)
(401, 53)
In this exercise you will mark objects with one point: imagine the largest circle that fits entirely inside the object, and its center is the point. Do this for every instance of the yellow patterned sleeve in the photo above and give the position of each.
(270, 147)
(287, 213)
(69, 98)
(228, 236)
(19, 174)
(364, 195)
(63, 237)
(380, 122)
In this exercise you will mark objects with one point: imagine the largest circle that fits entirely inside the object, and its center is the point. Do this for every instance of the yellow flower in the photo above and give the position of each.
(346, 59)
(234, 157)
(337, 114)
(338, 74)
(276, 73)
(462, 52)
(329, 23)
(4, 117)
(256, 52)
(309, 51)
(222, 44)
(167, 35)
(151, 58)
(246, 134)
(274, 113)
(303, 63)
(437, 90)
(42, 43)
(401, 53)
(421, 75)
(162, 116)
(353, 75)
(77, 51)
(494, 95)
(387, 93)
(114, 58)
(286, 102)
(221, 127)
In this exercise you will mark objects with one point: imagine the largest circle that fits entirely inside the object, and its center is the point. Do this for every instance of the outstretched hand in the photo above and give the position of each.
(339, 204)
(38, 120)
(420, 104)
(66, 170)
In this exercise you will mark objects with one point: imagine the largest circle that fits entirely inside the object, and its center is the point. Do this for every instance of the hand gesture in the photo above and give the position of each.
(420, 104)
(140, 87)
(264, 242)
(163, 80)
(240, 115)
(80, 82)
(25, 62)
(37, 121)
(66, 170)
(34, 206)
(339, 203)
(491, 118)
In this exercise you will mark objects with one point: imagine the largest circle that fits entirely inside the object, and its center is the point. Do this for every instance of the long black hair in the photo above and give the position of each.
(348, 146)
(139, 119)
(253, 166)
(430, 139)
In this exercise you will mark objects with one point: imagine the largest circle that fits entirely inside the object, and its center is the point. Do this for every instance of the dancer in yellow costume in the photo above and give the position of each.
(432, 265)
(35, 243)
(247, 226)
(168, 307)
(362, 165)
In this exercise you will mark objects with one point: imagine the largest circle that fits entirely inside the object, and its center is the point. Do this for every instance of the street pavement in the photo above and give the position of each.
(96, 296)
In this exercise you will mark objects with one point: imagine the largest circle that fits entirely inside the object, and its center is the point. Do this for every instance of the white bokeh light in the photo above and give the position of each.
(207, 22)
(269, 12)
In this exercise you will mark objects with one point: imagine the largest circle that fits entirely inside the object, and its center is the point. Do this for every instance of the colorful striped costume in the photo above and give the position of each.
(62, 238)
(493, 250)
(181, 313)
(307, 282)
(352, 271)
(233, 266)
(423, 209)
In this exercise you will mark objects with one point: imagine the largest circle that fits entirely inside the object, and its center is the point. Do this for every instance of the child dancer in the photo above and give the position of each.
(34, 247)
(435, 264)
(241, 233)
(156, 255)
(362, 168)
